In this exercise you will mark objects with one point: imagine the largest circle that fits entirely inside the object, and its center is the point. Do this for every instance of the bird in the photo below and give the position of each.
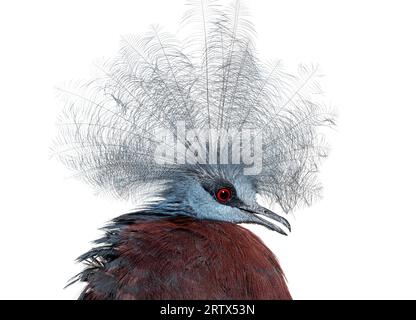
(167, 120)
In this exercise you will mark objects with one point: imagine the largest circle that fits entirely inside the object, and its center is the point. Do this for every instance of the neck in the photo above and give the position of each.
(156, 210)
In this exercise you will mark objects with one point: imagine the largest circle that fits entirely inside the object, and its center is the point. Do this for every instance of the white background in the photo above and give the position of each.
(358, 242)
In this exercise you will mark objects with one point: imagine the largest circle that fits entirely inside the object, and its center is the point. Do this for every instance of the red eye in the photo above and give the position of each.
(223, 195)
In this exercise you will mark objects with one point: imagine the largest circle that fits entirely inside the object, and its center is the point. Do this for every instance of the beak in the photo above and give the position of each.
(259, 211)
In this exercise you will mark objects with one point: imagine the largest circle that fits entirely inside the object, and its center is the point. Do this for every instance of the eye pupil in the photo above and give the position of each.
(223, 195)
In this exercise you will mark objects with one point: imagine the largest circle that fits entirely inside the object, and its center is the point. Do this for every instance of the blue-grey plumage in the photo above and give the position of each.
(194, 194)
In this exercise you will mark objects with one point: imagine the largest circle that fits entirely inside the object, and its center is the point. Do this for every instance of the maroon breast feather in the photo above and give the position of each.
(184, 258)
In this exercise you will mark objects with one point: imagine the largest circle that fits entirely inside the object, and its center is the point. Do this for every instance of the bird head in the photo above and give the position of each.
(218, 192)
(213, 80)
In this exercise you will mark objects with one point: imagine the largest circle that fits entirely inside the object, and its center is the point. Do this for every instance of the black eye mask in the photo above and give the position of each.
(214, 187)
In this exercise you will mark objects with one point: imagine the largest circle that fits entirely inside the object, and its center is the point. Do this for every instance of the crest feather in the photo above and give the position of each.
(212, 79)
